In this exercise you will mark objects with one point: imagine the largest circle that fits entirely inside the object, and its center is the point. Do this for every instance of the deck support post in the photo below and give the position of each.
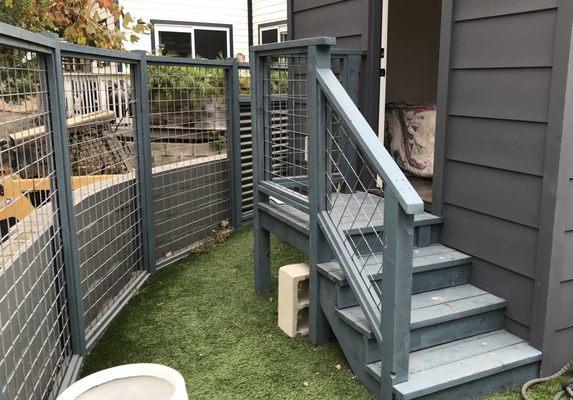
(396, 295)
(319, 250)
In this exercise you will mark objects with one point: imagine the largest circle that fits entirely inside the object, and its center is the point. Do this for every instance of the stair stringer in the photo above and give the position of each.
(343, 253)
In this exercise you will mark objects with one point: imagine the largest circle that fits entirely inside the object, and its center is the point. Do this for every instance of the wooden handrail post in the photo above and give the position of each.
(318, 56)
(396, 299)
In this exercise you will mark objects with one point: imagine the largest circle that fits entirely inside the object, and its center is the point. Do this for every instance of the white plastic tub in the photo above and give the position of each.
(129, 382)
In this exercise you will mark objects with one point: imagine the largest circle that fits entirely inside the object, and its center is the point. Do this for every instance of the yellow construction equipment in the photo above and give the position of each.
(96, 154)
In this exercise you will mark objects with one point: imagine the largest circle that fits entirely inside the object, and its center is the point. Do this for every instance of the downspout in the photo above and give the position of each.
(250, 20)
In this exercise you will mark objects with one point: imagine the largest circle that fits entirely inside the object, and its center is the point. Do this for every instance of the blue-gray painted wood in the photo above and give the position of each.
(318, 56)
(17, 37)
(65, 201)
(261, 236)
(285, 231)
(396, 298)
(461, 362)
(295, 44)
(381, 160)
(144, 163)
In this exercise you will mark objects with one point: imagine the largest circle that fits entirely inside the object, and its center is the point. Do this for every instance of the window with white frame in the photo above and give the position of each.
(197, 41)
(272, 33)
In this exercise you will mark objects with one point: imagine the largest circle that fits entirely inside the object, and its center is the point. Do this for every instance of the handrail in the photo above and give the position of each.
(295, 44)
(380, 158)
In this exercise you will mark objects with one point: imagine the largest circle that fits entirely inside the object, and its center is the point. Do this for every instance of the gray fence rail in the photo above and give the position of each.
(113, 165)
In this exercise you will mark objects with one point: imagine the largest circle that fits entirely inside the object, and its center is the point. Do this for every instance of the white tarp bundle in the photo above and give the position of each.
(410, 133)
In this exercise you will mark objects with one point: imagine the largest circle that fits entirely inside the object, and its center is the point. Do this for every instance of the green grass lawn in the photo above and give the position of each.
(202, 318)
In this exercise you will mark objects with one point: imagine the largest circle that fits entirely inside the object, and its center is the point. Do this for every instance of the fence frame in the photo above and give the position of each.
(230, 67)
(51, 50)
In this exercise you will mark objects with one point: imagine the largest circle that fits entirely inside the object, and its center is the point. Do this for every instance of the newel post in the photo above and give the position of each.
(319, 250)
(396, 295)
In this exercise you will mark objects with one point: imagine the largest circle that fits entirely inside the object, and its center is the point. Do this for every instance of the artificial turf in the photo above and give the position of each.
(202, 318)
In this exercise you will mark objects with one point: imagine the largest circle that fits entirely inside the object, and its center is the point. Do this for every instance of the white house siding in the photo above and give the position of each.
(232, 12)
(265, 12)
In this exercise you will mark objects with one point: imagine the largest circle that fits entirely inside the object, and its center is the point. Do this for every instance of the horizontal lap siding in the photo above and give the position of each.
(230, 12)
(346, 20)
(500, 75)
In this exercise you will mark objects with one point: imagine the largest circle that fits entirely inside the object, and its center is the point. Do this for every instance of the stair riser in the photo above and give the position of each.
(423, 236)
(423, 282)
(475, 390)
(444, 333)
(353, 344)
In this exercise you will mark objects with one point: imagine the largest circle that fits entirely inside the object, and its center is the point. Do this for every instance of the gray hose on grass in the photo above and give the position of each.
(567, 387)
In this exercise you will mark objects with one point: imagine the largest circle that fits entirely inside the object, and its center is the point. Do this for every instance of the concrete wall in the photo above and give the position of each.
(413, 51)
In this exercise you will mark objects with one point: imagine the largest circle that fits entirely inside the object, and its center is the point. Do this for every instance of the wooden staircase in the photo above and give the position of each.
(458, 346)
(400, 303)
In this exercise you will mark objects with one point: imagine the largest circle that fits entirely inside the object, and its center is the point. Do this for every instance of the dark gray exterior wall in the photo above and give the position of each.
(346, 20)
(500, 172)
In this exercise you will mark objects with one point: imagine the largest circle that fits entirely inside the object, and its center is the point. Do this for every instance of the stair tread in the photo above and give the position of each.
(435, 256)
(448, 365)
(431, 308)
(361, 210)
(300, 220)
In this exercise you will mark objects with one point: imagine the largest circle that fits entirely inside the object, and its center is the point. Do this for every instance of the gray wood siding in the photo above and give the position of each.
(504, 159)
(500, 70)
(346, 20)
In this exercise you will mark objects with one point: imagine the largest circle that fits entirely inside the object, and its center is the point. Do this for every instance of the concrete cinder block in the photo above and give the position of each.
(293, 299)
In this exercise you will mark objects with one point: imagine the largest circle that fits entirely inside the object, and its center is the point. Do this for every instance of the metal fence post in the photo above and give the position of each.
(144, 162)
(234, 141)
(66, 198)
(319, 250)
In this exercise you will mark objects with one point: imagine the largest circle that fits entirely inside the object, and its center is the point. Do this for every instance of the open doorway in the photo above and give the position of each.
(408, 87)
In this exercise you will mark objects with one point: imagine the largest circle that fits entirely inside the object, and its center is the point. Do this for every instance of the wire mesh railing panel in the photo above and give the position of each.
(354, 200)
(286, 122)
(35, 344)
(103, 161)
(190, 132)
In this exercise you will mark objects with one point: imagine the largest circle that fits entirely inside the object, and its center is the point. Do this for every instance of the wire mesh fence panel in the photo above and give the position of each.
(103, 160)
(285, 121)
(354, 200)
(35, 345)
(190, 131)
